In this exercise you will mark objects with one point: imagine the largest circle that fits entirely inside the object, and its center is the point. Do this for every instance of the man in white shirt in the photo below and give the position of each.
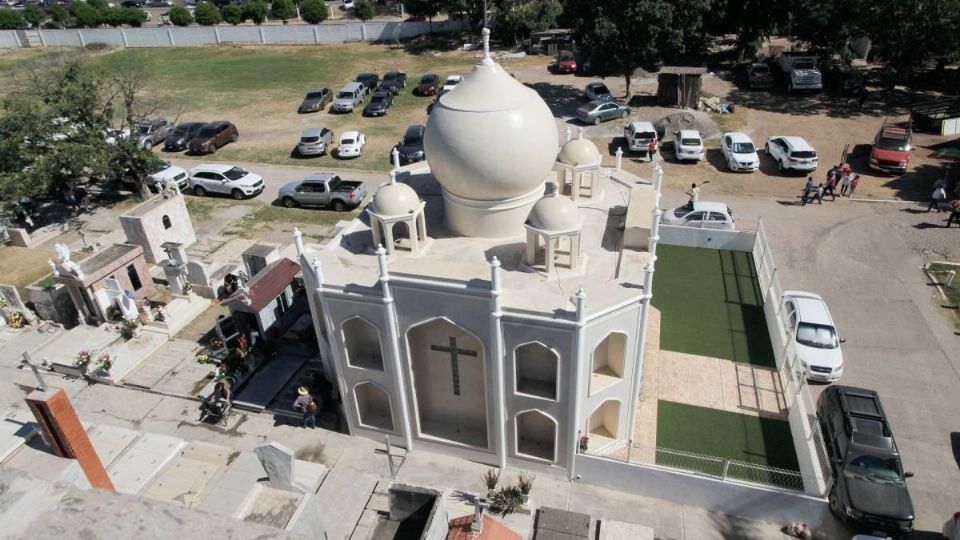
(937, 198)
(694, 195)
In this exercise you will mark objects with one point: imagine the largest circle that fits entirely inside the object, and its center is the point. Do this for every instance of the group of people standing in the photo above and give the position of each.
(838, 176)
(939, 199)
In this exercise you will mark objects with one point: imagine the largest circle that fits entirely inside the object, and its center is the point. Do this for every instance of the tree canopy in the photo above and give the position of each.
(10, 19)
(256, 11)
(314, 11)
(363, 9)
(180, 16)
(232, 14)
(206, 14)
(283, 10)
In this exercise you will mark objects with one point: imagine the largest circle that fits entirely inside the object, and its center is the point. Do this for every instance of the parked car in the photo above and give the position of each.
(164, 172)
(315, 100)
(411, 145)
(393, 81)
(801, 70)
(427, 85)
(639, 136)
(315, 141)
(349, 97)
(951, 529)
(379, 103)
(346, 4)
(703, 215)
(370, 81)
(688, 145)
(869, 487)
(597, 91)
(226, 180)
(759, 76)
(322, 189)
(112, 136)
(813, 336)
(891, 149)
(792, 154)
(566, 62)
(151, 132)
(739, 152)
(351, 144)
(180, 137)
(451, 83)
(213, 136)
(601, 111)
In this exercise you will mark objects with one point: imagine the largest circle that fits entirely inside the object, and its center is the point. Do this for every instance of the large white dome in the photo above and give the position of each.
(491, 138)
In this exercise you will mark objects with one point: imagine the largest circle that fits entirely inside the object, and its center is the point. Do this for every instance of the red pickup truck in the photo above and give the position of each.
(566, 62)
(891, 149)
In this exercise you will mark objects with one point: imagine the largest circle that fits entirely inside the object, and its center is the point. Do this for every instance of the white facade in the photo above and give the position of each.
(461, 346)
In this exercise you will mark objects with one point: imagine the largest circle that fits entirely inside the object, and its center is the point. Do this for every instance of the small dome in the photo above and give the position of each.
(554, 213)
(394, 199)
(579, 152)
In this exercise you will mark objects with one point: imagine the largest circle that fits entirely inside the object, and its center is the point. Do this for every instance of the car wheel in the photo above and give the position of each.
(766, 148)
(213, 149)
(237, 194)
(339, 206)
(147, 145)
(596, 121)
(624, 114)
(289, 202)
(234, 137)
(199, 191)
(780, 166)
(834, 504)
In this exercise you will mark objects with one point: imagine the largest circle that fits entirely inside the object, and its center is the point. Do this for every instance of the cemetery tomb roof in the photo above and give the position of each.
(91, 264)
(491, 529)
(269, 283)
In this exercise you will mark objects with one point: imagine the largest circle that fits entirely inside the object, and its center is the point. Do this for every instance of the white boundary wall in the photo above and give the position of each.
(175, 36)
(726, 496)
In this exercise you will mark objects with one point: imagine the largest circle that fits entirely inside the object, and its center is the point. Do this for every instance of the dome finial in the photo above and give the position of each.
(393, 176)
(486, 43)
(580, 133)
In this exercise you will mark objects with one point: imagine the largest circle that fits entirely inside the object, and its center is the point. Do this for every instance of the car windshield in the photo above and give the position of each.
(743, 148)
(428, 79)
(452, 81)
(206, 133)
(181, 131)
(644, 135)
(144, 129)
(817, 335)
(346, 141)
(888, 143)
(314, 95)
(378, 99)
(159, 166)
(235, 173)
(345, 95)
(876, 468)
(309, 139)
(566, 58)
(690, 142)
(411, 140)
(680, 212)
(761, 69)
(600, 90)
(803, 65)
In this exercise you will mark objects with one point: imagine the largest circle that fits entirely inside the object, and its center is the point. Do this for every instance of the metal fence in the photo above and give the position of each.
(175, 36)
(719, 468)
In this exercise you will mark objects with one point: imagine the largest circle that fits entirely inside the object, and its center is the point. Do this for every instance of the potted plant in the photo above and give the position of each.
(509, 500)
(129, 328)
(584, 443)
(490, 479)
(525, 484)
(82, 360)
(104, 363)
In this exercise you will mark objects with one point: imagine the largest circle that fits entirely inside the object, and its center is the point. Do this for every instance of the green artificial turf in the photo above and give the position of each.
(722, 434)
(710, 305)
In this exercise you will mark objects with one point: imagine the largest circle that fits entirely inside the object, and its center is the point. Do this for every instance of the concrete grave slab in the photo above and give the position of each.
(145, 458)
(187, 379)
(264, 385)
(269, 506)
(615, 530)
(110, 441)
(16, 428)
(184, 479)
(307, 475)
(227, 493)
(170, 355)
(557, 523)
(26, 341)
(65, 346)
(130, 354)
(344, 494)
(309, 519)
(41, 463)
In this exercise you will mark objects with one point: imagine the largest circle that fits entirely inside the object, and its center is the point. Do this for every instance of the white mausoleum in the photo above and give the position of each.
(512, 322)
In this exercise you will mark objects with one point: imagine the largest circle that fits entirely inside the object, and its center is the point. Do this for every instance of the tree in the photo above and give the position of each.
(231, 13)
(283, 10)
(34, 15)
(256, 11)
(752, 21)
(206, 14)
(86, 15)
(907, 34)
(10, 19)
(471, 9)
(314, 11)
(363, 10)
(619, 36)
(134, 16)
(422, 8)
(180, 16)
(520, 18)
(58, 13)
(113, 16)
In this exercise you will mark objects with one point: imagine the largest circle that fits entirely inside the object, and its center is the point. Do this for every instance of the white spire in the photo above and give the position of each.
(393, 176)
(486, 47)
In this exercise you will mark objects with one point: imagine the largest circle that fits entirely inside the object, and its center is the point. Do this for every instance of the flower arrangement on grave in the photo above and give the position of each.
(129, 327)
(187, 287)
(114, 313)
(243, 346)
(216, 343)
(3, 302)
(490, 479)
(104, 362)
(203, 359)
(15, 320)
(82, 360)
(584, 443)
(219, 373)
(525, 483)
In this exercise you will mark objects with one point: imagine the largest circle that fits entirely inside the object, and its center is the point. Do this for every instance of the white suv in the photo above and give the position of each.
(812, 335)
(792, 154)
(639, 135)
(688, 145)
(739, 152)
(225, 179)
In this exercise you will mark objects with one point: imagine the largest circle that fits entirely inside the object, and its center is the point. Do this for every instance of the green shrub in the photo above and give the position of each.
(134, 16)
(58, 13)
(314, 11)
(206, 14)
(283, 10)
(86, 15)
(34, 15)
(180, 16)
(256, 11)
(10, 19)
(232, 14)
(363, 10)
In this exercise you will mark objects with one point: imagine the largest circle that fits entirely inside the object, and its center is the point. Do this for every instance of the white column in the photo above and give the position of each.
(496, 331)
(123, 36)
(654, 231)
(393, 337)
(298, 242)
(170, 37)
(414, 234)
(531, 257)
(551, 246)
(581, 366)
(388, 234)
(216, 34)
(619, 159)
(375, 225)
(83, 43)
(637, 380)
(395, 155)
(40, 35)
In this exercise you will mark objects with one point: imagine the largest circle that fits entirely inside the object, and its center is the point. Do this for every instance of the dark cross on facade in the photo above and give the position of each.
(455, 353)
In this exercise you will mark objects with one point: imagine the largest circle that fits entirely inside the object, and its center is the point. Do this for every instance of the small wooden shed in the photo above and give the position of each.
(679, 86)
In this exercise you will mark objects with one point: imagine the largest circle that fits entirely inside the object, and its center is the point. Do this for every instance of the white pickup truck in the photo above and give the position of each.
(801, 70)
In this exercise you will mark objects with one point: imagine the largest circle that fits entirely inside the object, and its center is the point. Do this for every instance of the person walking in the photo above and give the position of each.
(845, 183)
(938, 196)
(306, 405)
(807, 190)
(954, 216)
(853, 184)
(651, 149)
(694, 196)
(818, 194)
(831, 186)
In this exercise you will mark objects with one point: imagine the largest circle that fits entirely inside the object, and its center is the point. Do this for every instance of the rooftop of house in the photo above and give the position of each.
(608, 274)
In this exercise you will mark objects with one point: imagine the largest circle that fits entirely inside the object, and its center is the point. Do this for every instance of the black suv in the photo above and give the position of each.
(869, 483)
(411, 146)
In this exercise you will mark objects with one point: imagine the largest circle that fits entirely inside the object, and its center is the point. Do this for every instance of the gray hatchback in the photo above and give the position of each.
(315, 141)
(601, 111)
